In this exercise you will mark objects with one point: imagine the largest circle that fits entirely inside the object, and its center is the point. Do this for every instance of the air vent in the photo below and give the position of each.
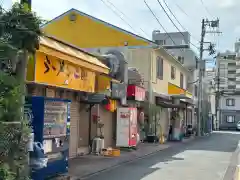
(73, 17)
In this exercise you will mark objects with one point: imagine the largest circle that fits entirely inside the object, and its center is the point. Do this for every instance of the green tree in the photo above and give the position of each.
(19, 39)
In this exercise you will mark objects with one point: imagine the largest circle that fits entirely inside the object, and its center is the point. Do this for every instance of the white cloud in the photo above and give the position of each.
(226, 3)
(237, 30)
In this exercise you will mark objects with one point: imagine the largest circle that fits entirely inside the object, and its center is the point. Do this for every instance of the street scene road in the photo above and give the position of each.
(119, 90)
(207, 158)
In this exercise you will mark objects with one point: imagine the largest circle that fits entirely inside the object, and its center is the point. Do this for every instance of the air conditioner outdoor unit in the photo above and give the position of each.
(97, 145)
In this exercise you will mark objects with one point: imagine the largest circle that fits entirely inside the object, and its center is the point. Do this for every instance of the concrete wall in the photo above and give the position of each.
(141, 59)
(171, 61)
(177, 37)
(189, 55)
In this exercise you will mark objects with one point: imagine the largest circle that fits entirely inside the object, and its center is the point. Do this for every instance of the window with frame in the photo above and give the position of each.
(230, 102)
(181, 80)
(181, 59)
(231, 64)
(162, 42)
(196, 61)
(195, 90)
(230, 119)
(173, 72)
(183, 42)
(160, 68)
(231, 71)
(231, 86)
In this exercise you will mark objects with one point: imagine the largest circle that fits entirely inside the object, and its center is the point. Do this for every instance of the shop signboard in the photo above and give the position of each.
(52, 71)
(95, 98)
(136, 93)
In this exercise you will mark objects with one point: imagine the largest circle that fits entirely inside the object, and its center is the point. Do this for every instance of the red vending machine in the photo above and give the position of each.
(126, 127)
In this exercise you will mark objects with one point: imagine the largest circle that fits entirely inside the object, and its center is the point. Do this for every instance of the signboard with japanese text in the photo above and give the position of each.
(56, 72)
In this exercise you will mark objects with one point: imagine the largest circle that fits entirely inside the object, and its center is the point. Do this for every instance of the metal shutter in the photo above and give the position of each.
(107, 119)
(75, 117)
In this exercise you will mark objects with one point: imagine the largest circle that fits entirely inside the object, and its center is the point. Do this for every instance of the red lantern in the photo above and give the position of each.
(108, 106)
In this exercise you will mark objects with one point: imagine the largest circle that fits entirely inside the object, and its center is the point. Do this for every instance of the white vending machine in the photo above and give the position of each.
(126, 127)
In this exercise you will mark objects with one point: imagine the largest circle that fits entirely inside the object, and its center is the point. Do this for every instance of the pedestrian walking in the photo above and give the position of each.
(170, 134)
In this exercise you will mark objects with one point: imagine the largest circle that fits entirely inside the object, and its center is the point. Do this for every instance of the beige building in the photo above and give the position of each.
(164, 77)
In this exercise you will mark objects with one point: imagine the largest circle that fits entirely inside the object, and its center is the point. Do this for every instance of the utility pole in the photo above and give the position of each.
(217, 95)
(199, 125)
(201, 65)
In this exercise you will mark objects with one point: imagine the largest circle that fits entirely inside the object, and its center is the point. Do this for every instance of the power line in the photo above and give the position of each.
(205, 7)
(173, 22)
(159, 22)
(184, 12)
(124, 15)
(177, 19)
(179, 7)
(116, 13)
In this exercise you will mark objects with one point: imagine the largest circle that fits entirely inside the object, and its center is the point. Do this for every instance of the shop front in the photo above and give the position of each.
(59, 71)
(170, 114)
(106, 113)
(180, 115)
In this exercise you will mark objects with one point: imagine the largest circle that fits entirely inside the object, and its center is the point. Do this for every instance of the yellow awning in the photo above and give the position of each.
(175, 90)
(64, 52)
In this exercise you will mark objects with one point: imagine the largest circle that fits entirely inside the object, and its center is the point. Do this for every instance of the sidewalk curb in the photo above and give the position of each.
(237, 168)
(127, 161)
(233, 169)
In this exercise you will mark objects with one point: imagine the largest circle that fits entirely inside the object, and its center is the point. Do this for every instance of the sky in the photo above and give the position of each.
(136, 14)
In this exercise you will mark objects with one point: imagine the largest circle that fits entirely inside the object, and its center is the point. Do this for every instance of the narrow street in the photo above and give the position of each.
(207, 158)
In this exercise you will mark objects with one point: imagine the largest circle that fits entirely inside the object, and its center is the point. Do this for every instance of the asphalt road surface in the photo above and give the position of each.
(207, 158)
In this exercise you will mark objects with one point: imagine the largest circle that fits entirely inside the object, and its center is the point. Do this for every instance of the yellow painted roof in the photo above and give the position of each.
(71, 51)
